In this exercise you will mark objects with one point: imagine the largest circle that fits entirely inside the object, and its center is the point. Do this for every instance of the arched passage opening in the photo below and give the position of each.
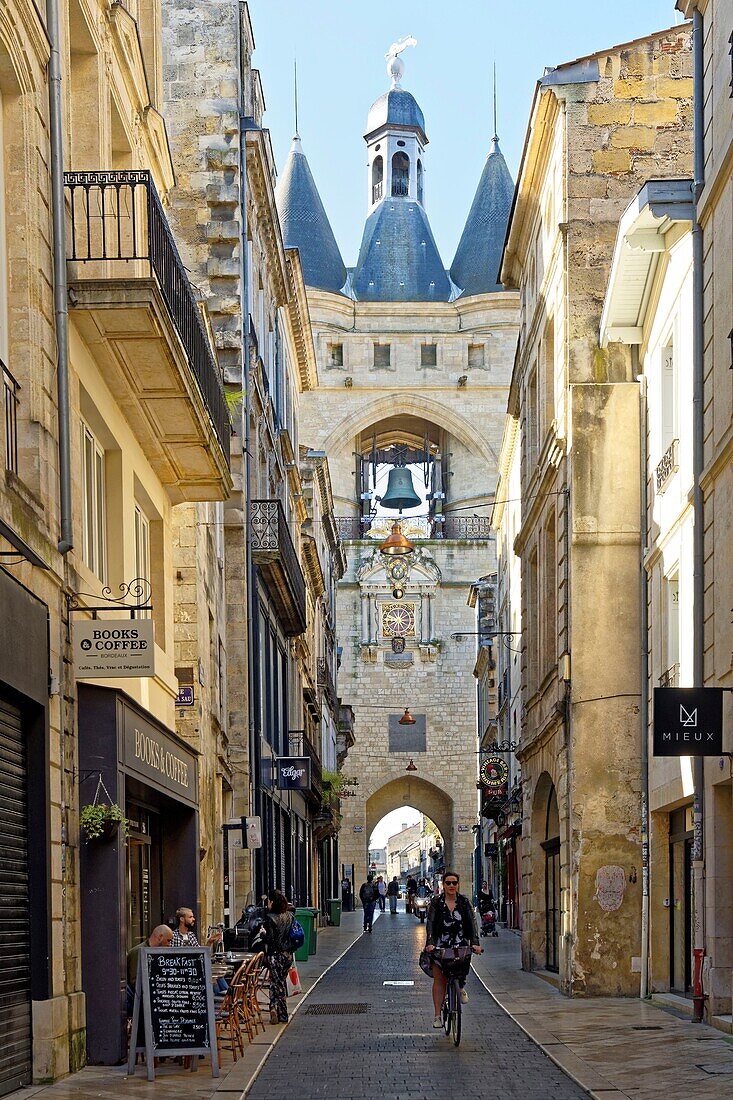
(546, 885)
(404, 844)
(420, 794)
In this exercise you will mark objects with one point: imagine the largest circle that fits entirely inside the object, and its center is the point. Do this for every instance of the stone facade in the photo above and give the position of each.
(461, 406)
(599, 127)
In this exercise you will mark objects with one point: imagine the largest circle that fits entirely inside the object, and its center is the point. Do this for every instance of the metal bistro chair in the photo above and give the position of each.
(228, 1019)
(250, 1011)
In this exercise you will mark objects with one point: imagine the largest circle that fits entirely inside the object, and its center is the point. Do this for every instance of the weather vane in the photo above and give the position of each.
(395, 64)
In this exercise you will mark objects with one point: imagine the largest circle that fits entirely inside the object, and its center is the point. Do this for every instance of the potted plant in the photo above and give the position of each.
(101, 820)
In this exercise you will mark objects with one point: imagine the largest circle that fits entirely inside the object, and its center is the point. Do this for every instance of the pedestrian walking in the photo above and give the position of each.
(382, 891)
(368, 895)
(279, 952)
(393, 890)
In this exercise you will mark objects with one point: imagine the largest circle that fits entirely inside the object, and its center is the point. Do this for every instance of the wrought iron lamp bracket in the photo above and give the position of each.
(139, 589)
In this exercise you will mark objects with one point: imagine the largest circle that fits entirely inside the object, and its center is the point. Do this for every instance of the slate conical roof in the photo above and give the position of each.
(475, 267)
(305, 224)
(398, 259)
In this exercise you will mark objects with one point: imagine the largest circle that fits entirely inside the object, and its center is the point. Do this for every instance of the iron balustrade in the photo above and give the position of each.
(326, 681)
(400, 185)
(377, 191)
(667, 465)
(270, 532)
(118, 229)
(10, 408)
(465, 527)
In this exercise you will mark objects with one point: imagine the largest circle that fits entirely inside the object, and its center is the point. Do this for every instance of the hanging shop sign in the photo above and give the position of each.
(494, 772)
(106, 649)
(688, 721)
(293, 773)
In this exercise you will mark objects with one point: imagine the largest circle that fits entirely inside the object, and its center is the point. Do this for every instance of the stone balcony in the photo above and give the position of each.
(134, 306)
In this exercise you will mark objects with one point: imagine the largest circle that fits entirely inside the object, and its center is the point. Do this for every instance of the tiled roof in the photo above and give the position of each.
(475, 267)
(398, 259)
(395, 108)
(305, 224)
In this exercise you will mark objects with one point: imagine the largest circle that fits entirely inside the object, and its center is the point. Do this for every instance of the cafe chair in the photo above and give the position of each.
(251, 1009)
(227, 1018)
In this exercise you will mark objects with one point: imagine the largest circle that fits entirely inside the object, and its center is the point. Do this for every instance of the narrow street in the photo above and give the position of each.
(359, 1037)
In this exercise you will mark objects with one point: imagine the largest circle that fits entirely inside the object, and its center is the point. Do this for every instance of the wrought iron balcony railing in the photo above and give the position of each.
(10, 410)
(300, 744)
(274, 552)
(118, 230)
(667, 465)
(401, 186)
(377, 191)
(465, 527)
(326, 681)
(420, 527)
(670, 678)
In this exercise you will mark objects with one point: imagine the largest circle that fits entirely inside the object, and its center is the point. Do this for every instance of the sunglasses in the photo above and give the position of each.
(451, 882)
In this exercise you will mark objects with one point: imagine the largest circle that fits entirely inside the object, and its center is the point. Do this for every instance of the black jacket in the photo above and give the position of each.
(393, 889)
(435, 919)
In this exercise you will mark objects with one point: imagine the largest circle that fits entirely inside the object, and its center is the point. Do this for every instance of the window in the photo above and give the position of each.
(531, 425)
(419, 181)
(400, 174)
(428, 355)
(476, 355)
(548, 396)
(335, 355)
(377, 179)
(382, 355)
(532, 625)
(94, 540)
(10, 417)
(550, 596)
(671, 634)
(669, 397)
(142, 548)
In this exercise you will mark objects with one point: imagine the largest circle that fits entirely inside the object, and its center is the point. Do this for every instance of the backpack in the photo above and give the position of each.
(297, 935)
(369, 894)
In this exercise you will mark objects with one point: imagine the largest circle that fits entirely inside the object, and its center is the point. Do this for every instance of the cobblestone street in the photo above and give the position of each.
(388, 1049)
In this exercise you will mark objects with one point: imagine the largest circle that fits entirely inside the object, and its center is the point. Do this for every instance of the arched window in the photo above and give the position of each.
(419, 181)
(377, 179)
(400, 174)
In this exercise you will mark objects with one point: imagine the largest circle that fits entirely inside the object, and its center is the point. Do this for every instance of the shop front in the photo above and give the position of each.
(129, 884)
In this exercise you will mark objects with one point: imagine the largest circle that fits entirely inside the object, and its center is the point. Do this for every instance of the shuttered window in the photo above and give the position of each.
(15, 982)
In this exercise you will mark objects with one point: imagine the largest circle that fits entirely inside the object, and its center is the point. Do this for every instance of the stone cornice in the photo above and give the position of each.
(267, 223)
(300, 322)
(21, 25)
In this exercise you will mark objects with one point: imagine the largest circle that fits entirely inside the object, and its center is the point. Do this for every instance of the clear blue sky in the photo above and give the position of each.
(340, 47)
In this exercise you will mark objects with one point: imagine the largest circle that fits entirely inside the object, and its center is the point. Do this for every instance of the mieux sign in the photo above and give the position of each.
(105, 649)
(293, 773)
(688, 721)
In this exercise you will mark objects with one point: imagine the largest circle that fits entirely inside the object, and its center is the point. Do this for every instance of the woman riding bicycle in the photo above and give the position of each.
(451, 924)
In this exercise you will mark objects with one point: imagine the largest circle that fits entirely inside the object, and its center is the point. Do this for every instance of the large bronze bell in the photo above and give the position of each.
(400, 492)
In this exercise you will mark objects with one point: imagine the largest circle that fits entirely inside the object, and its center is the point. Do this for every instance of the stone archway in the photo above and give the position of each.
(424, 796)
(542, 915)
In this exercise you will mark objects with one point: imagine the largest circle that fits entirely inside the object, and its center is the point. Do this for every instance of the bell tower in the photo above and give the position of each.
(396, 140)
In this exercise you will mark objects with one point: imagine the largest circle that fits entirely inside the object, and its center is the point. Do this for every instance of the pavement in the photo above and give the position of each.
(521, 1038)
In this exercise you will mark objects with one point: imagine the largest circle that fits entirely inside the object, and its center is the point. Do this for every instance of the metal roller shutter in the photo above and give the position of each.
(15, 982)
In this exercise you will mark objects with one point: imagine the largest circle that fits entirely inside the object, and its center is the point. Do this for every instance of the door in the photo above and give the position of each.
(15, 980)
(552, 903)
(680, 902)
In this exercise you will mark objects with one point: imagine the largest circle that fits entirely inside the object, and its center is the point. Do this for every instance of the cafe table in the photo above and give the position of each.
(226, 965)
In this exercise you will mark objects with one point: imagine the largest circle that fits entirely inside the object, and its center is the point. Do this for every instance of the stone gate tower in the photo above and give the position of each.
(414, 366)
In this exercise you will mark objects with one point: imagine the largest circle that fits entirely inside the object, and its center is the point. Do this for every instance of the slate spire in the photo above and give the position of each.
(305, 224)
(475, 268)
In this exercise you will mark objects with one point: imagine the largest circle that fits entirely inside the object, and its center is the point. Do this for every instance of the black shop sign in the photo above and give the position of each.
(293, 773)
(688, 721)
(174, 1007)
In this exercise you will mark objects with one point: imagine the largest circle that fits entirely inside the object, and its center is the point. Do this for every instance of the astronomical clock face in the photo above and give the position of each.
(398, 570)
(398, 620)
(494, 772)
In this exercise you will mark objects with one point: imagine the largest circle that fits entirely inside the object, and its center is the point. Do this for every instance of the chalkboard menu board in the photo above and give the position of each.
(176, 997)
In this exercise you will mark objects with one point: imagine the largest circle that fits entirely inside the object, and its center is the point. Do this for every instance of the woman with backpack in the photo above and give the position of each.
(281, 933)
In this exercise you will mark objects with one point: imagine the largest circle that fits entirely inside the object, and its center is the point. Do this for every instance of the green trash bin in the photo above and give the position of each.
(313, 940)
(334, 912)
(305, 916)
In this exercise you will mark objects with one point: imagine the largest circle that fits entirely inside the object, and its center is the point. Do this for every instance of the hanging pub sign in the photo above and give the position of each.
(493, 773)
(105, 649)
(293, 773)
(688, 721)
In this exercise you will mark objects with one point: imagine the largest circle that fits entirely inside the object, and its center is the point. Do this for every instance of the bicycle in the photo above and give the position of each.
(452, 962)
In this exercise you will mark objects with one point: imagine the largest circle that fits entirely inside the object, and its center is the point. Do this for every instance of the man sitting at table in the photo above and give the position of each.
(162, 936)
(184, 935)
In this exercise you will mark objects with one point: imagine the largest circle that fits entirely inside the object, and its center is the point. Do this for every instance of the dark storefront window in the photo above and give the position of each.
(551, 846)
(680, 900)
(144, 881)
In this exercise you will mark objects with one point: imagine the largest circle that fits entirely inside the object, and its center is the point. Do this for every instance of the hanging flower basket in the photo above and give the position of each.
(102, 820)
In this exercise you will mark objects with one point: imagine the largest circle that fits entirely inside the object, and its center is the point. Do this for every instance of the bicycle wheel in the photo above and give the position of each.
(446, 1012)
(456, 1018)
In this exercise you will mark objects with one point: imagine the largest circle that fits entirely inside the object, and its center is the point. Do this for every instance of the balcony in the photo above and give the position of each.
(10, 416)
(670, 678)
(667, 466)
(377, 191)
(400, 185)
(301, 745)
(273, 551)
(327, 684)
(468, 528)
(135, 308)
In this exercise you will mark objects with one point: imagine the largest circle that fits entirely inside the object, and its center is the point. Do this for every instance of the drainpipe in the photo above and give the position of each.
(698, 552)
(644, 676)
(60, 283)
(253, 732)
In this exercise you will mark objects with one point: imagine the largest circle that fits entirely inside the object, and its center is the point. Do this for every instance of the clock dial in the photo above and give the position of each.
(398, 620)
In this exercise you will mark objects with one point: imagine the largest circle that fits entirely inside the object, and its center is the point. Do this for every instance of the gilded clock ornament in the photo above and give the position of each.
(398, 620)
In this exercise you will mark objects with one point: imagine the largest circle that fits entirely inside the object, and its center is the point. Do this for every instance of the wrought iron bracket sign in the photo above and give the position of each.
(503, 746)
(139, 590)
(494, 772)
(688, 721)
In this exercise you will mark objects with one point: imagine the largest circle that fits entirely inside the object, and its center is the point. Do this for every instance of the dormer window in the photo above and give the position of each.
(400, 175)
(377, 179)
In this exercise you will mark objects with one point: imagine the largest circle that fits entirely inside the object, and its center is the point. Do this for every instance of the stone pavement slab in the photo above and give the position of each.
(614, 1047)
(373, 1040)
